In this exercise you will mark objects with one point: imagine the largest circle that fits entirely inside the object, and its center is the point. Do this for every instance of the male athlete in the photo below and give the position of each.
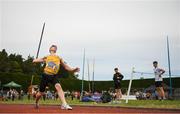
(159, 80)
(117, 83)
(53, 63)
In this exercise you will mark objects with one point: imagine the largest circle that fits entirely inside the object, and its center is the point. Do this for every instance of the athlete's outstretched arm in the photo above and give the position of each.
(68, 68)
(38, 60)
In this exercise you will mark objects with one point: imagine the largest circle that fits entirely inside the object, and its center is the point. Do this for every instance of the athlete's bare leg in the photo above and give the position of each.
(117, 94)
(60, 93)
(38, 96)
(120, 94)
(158, 91)
(162, 92)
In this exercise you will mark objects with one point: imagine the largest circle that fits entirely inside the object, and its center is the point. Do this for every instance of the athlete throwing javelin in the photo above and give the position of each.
(53, 63)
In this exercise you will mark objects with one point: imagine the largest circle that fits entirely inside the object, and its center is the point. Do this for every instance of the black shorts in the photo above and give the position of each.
(117, 85)
(158, 84)
(46, 79)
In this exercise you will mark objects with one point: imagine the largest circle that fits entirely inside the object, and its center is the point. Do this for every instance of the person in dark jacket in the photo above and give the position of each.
(117, 83)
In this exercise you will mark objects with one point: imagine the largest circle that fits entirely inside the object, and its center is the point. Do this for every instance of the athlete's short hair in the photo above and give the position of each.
(155, 62)
(53, 46)
(115, 68)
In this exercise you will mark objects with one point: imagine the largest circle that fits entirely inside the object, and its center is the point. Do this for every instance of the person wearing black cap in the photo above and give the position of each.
(117, 83)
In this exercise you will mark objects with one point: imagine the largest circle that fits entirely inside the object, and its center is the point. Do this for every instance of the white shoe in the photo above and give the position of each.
(114, 102)
(66, 107)
(164, 98)
(118, 102)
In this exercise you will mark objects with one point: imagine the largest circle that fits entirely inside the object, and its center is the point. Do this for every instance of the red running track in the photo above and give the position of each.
(14, 108)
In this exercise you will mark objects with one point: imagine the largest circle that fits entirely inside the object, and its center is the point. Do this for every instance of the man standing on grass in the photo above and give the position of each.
(117, 83)
(159, 80)
(53, 63)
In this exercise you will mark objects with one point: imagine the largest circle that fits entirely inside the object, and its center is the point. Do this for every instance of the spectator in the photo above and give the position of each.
(13, 94)
(21, 95)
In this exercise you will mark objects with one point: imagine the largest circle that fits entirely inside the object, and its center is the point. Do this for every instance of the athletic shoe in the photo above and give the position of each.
(160, 99)
(164, 98)
(66, 107)
(115, 102)
(36, 106)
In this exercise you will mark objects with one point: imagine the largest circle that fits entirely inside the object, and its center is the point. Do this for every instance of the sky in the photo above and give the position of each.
(123, 34)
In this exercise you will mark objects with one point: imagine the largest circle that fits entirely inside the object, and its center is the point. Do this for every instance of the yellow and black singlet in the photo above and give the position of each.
(52, 64)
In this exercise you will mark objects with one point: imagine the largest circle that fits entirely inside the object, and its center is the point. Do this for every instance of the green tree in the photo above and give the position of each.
(4, 65)
(27, 65)
(15, 66)
(14, 57)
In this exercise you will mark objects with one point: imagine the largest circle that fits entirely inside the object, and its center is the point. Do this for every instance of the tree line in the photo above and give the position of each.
(13, 67)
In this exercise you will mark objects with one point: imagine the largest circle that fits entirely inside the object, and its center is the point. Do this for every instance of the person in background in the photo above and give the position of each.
(13, 94)
(21, 94)
(117, 83)
(158, 72)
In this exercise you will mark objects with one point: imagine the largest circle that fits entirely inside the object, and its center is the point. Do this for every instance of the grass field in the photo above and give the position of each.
(168, 104)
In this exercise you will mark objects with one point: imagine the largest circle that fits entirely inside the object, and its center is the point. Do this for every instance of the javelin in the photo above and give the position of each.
(38, 49)
(40, 41)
